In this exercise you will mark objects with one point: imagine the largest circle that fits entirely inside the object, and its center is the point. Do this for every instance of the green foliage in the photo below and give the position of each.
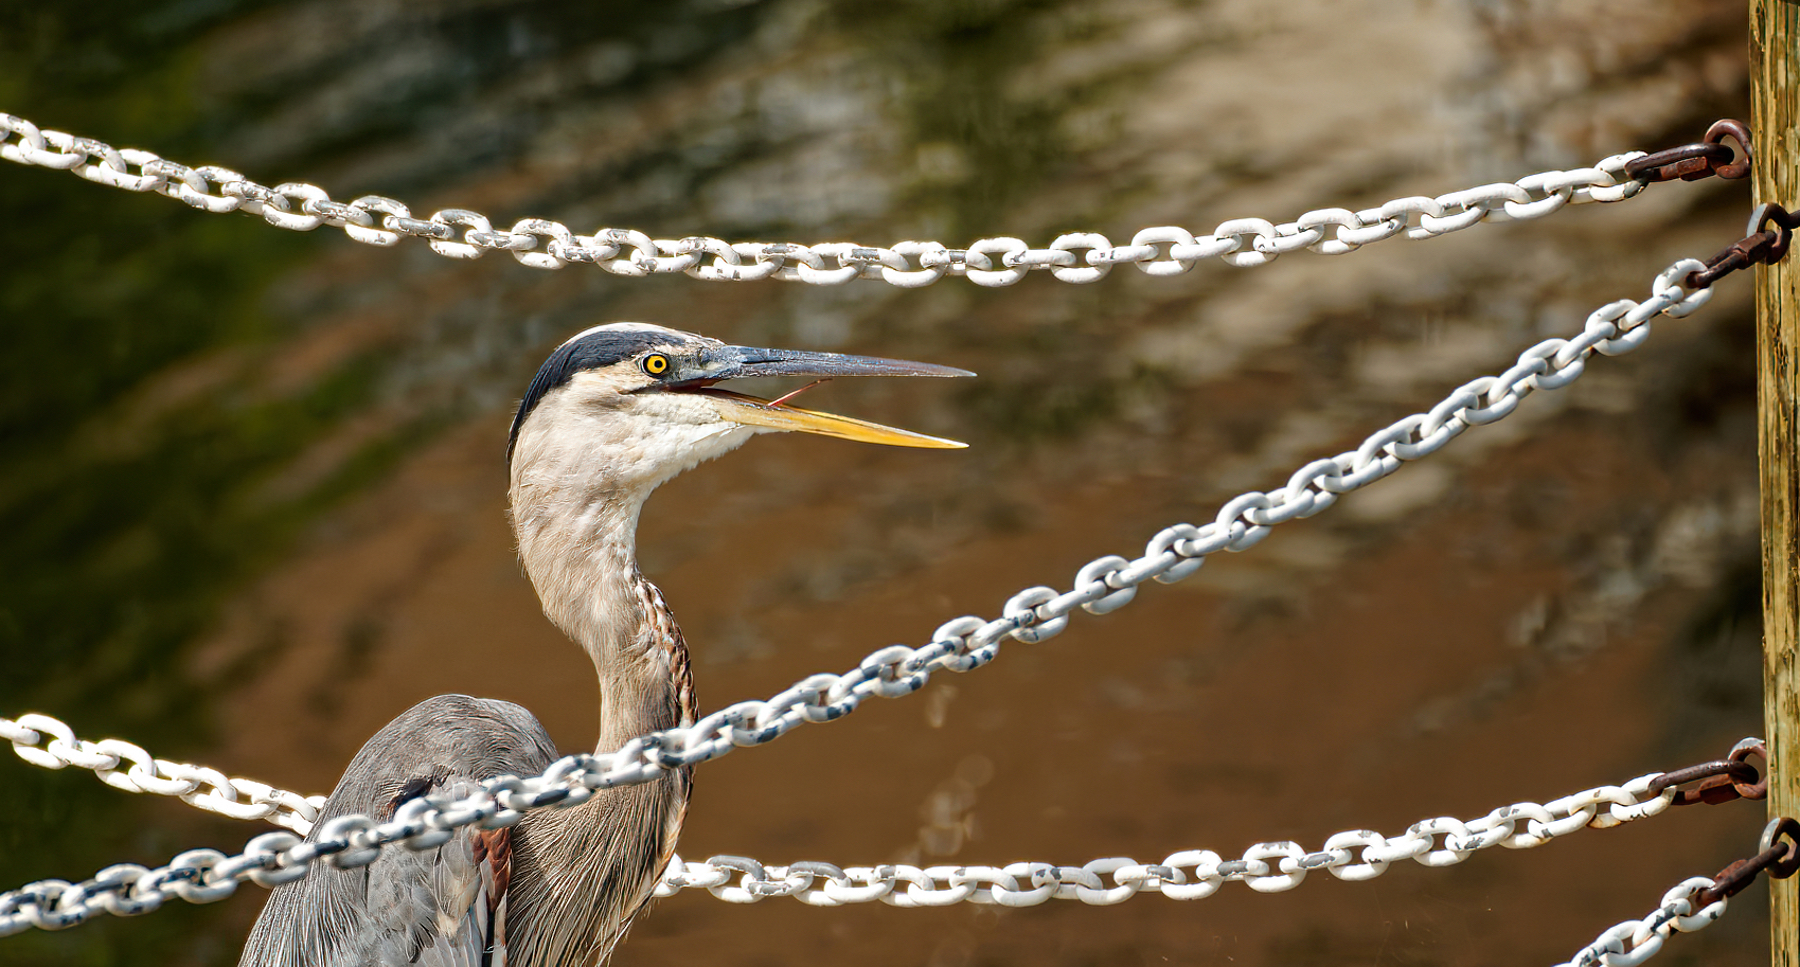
(125, 524)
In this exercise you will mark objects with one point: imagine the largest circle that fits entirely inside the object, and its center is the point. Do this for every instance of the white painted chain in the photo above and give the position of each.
(961, 644)
(1077, 257)
(1358, 854)
(1632, 942)
(45, 741)
(205, 876)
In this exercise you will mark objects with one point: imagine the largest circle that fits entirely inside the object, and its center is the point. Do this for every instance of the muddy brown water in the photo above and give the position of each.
(251, 540)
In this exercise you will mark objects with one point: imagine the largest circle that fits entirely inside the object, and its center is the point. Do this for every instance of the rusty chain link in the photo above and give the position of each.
(1777, 858)
(1721, 780)
(1766, 240)
(1705, 158)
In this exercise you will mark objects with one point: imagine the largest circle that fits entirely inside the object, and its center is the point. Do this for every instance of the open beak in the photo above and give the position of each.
(737, 362)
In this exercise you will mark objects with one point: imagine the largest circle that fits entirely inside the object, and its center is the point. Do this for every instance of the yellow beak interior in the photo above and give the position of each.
(750, 411)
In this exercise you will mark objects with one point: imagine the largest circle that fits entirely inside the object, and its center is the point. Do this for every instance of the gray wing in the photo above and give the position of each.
(443, 907)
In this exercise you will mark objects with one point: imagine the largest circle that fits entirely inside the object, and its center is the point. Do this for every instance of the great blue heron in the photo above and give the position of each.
(613, 413)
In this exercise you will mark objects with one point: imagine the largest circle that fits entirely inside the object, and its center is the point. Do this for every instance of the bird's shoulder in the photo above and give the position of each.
(440, 907)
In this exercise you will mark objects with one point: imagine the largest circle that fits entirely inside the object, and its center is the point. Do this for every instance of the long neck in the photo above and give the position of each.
(579, 549)
(581, 874)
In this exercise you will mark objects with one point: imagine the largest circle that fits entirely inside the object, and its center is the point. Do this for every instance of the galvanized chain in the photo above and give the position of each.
(1358, 854)
(962, 644)
(45, 741)
(1077, 257)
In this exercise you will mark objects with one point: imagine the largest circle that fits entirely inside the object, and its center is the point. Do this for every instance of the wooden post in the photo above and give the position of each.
(1775, 128)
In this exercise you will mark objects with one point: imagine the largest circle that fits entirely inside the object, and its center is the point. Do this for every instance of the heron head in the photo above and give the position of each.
(629, 405)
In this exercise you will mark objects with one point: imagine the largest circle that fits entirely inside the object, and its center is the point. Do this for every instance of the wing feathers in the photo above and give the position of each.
(443, 907)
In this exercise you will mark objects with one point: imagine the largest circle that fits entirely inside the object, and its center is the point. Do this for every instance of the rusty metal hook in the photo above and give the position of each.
(1779, 859)
(1737, 131)
(1722, 780)
(1702, 159)
(1766, 240)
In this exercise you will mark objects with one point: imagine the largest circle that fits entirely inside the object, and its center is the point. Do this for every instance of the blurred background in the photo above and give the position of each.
(252, 482)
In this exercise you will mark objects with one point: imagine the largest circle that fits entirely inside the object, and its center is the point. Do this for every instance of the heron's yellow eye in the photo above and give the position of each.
(656, 364)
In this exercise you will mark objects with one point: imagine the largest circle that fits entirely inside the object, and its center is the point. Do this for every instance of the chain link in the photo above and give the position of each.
(1274, 867)
(205, 876)
(45, 741)
(1722, 780)
(1078, 257)
(1632, 942)
(1352, 855)
(1766, 241)
(1635, 941)
(961, 644)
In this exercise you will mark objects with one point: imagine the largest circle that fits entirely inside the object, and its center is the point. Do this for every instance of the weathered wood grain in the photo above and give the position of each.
(1775, 121)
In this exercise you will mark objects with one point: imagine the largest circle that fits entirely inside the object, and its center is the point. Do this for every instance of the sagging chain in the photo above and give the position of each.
(1193, 874)
(1695, 903)
(962, 644)
(205, 876)
(1077, 257)
(45, 741)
